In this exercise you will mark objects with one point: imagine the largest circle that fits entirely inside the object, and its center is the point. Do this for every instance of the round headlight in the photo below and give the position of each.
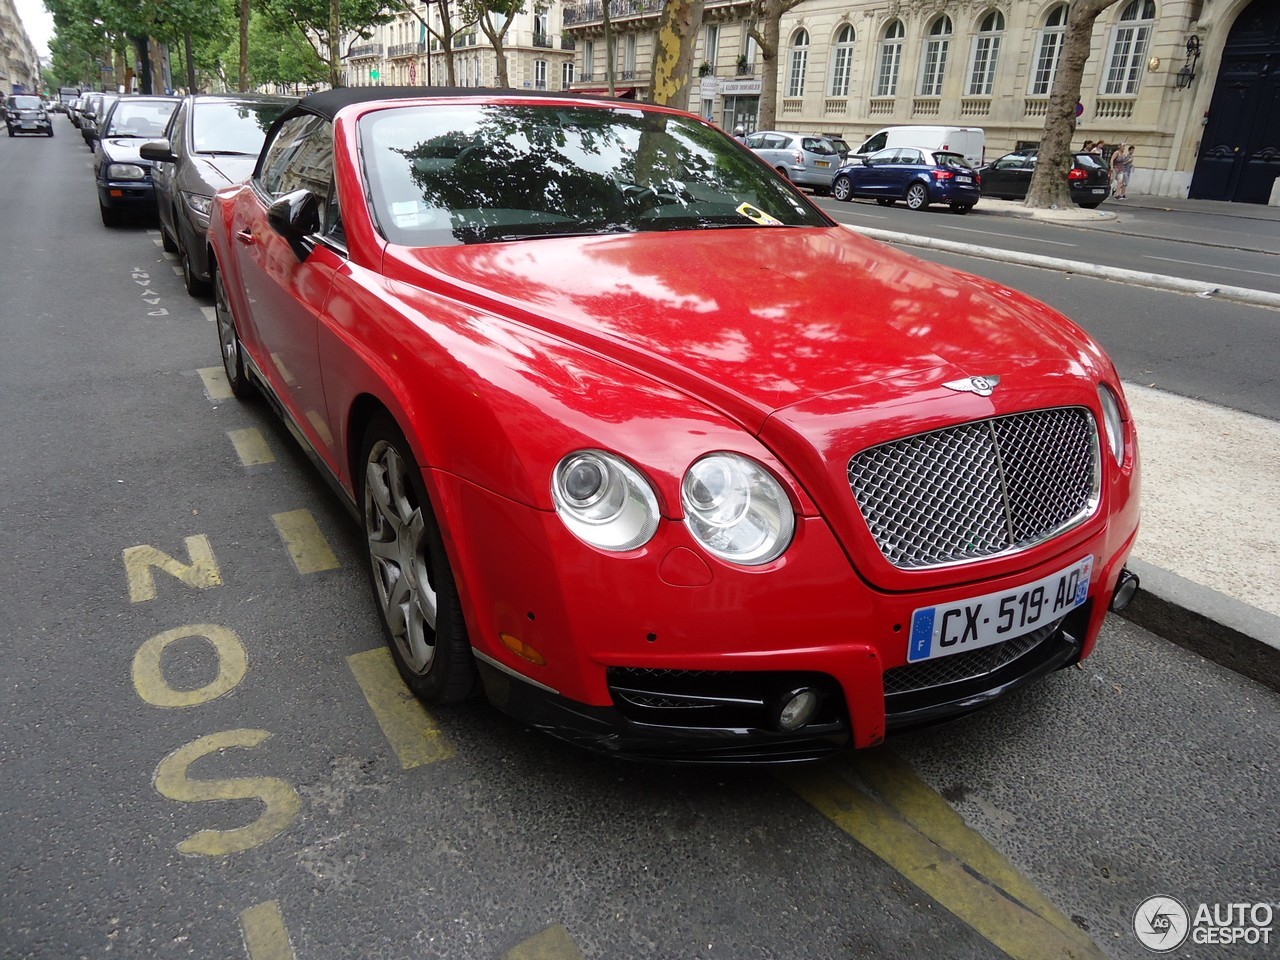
(604, 500)
(736, 509)
(1113, 421)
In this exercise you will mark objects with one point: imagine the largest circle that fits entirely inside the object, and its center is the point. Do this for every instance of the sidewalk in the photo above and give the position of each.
(1208, 553)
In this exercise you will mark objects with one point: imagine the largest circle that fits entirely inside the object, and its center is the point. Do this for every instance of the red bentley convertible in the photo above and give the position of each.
(672, 464)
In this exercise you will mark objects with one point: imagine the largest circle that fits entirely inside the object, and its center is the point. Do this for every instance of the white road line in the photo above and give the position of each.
(1007, 236)
(1212, 266)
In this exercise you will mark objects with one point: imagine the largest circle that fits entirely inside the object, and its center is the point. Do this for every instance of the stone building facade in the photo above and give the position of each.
(19, 65)
(1194, 85)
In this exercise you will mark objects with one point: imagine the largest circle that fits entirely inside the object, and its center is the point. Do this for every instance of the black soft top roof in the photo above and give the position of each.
(327, 103)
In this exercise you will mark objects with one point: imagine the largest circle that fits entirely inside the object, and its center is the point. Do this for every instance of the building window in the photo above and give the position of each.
(1129, 47)
(986, 51)
(628, 65)
(566, 75)
(935, 57)
(539, 74)
(799, 63)
(842, 62)
(1049, 52)
(711, 43)
(890, 60)
(588, 59)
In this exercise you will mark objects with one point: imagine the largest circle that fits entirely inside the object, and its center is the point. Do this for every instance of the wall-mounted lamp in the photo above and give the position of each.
(1188, 71)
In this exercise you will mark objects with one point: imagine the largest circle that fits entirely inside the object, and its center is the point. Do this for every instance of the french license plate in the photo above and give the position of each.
(822, 163)
(1099, 191)
(964, 179)
(981, 621)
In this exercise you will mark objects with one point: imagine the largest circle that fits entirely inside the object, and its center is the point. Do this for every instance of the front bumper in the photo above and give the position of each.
(127, 194)
(29, 126)
(664, 656)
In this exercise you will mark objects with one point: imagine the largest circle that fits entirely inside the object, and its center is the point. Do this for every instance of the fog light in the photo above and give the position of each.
(798, 708)
(522, 649)
(1126, 587)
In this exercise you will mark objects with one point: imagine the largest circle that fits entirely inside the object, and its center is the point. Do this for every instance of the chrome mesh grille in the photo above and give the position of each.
(978, 489)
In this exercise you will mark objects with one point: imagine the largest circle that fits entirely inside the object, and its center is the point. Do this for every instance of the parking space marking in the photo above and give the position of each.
(890, 811)
(177, 270)
(553, 943)
(308, 548)
(199, 572)
(215, 383)
(265, 936)
(209, 314)
(251, 447)
(412, 732)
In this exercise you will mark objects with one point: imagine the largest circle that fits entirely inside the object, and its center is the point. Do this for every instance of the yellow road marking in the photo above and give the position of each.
(307, 546)
(215, 383)
(200, 573)
(411, 731)
(148, 674)
(251, 447)
(901, 820)
(265, 936)
(281, 800)
(553, 943)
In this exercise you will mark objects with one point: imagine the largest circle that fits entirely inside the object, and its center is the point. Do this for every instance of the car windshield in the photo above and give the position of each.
(225, 126)
(140, 118)
(24, 103)
(473, 173)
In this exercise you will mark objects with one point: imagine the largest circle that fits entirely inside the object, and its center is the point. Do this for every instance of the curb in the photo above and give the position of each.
(1256, 298)
(1213, 625)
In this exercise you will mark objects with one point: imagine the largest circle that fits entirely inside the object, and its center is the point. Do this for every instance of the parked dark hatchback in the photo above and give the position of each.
(26, 114)
(123, 177)
(212, 142)
(919, 177)
(1010, 176)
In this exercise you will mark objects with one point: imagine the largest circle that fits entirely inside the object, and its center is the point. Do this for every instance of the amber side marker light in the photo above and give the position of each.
(522, 649)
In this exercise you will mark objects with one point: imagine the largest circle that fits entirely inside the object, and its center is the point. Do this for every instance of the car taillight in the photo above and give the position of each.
(943, 174)
(1075, 173)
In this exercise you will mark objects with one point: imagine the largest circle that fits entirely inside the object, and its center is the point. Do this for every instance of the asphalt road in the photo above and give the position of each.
(198, 759)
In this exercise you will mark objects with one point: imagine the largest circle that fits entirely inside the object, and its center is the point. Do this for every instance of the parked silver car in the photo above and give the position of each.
(805, 159)
(212, 142)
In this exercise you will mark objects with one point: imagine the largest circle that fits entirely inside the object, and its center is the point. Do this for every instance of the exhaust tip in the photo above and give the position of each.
(1126, 586)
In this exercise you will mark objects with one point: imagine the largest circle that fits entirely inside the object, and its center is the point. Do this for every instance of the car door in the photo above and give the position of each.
(871, 179)
(1009, 177)
(907, 167)
(286, 283)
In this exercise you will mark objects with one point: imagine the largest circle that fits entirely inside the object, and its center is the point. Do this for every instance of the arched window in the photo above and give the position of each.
(986, 51)
(799, 63)
(1049, 51)
(934, 64)
(1129, 47)
(890, 60)
(842, 62)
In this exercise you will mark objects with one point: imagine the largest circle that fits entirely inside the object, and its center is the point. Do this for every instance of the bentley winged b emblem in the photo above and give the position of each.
(982, 386)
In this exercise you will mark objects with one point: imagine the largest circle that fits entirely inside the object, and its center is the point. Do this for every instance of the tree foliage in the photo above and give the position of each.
(495, 18)
(1049, 186)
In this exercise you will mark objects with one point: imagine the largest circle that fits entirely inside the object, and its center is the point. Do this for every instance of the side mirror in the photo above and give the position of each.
(296, 216)
(157, 151)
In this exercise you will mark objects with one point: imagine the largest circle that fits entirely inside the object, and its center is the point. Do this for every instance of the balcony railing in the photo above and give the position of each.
(464, 40)
(567, 42)
(406, 50)
(365, 51)
(593, 10)
(542, 40)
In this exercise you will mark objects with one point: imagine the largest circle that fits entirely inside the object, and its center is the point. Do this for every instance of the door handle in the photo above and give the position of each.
(245, 236)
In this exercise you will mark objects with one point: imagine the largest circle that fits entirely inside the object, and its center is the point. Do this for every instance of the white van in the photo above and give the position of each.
(971, 142)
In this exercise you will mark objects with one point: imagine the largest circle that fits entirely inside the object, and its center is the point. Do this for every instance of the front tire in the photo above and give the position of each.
(917, 197)
(195, 286)
(842, 189)
(110, 217)
(229, 341)
(409, 572)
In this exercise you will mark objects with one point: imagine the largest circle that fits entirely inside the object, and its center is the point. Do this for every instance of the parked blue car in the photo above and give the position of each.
(916, 176)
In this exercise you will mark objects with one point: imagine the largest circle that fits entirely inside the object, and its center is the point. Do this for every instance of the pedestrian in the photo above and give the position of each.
(740, 133)
(1096, 149)
(1121, 167)
(1088, 147)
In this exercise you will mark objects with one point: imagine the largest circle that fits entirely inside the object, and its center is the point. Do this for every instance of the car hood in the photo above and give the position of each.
(755, 320)
(125, 149)
(221, 171)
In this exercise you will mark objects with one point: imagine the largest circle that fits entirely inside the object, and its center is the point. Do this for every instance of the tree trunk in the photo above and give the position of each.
(766, 33)
(674, 41)
(191, 63)
(243, 82)
(335, 43)
(142, 49)
(1049, 187)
